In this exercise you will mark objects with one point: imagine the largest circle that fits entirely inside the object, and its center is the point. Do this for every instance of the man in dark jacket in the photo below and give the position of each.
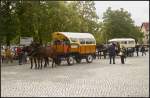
(143, 50)
(19, 53)
(137, 50)
(112, 53)
(24, 54)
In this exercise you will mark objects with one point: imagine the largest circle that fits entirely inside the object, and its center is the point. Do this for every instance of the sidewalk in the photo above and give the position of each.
(15, 62)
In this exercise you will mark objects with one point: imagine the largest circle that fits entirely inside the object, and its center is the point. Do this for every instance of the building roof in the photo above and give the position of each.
(145, 25)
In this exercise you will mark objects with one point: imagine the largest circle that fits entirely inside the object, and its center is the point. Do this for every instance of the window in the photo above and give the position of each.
(131, 42)
(82, 41)
(147, 36)
(124, 42)
(90, 41)
(74, 39)
(93, 41)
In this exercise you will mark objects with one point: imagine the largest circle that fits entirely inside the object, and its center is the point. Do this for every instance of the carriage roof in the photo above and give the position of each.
(122, 39)
(74, 35)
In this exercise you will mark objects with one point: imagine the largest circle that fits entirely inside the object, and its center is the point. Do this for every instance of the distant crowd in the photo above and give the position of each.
(115, 49)
(18, 53)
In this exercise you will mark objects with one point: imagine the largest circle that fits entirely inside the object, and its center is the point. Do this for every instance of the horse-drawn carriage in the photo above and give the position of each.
(73, 47)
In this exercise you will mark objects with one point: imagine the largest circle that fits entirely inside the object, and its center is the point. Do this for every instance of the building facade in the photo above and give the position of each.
(145, 30)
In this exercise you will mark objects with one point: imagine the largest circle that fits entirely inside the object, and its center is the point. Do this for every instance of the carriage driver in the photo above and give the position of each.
(66, 43)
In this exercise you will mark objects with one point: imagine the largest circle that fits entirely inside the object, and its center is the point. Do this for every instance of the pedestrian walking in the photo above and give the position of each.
(143, 50)
(122, 54)
(19, 53)
(2, 54)
(112, 53)
(24, 55)
(8, 55)
(104, 52)
(137, 50)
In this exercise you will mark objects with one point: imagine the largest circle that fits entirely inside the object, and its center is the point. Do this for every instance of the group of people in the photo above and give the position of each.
(22, 55)
(122, 52)
(112, 53)
(142, 50)
(9, 54)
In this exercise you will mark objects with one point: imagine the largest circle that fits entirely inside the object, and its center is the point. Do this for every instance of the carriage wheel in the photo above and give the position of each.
(58, 61)
(89, 58)
(70, 60)
(78, 60)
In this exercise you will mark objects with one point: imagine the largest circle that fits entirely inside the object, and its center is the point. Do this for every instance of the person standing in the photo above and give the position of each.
(19, 53)
(8, 54)
(24, 55)
(143, 50)
(112, 53)
(104, 52)
(123, 54)
(137, 50)
(2, 54)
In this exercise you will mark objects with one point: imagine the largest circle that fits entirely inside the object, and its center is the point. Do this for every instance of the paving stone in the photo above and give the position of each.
(97, 79)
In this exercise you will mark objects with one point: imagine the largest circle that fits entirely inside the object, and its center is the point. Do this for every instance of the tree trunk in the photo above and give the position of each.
(7, 41)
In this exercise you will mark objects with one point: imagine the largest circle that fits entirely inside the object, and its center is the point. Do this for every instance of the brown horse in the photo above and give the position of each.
(32, 56)
(44, 53)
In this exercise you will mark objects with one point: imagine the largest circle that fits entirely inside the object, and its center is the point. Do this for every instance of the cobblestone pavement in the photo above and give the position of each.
(97, 79)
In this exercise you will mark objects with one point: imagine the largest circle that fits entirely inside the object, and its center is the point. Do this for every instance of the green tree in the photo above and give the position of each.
(118, 24)
(87, 14)
(7, 21)
(38, 19)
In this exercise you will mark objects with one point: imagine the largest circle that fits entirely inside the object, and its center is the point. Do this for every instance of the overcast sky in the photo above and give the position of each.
(139, 9)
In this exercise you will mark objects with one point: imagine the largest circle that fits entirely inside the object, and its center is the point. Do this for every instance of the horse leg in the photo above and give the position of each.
(53, 61)
(38, 63)
(41, 62)
(46, 61)
(31, 60)
(98, 54)
(35, 63)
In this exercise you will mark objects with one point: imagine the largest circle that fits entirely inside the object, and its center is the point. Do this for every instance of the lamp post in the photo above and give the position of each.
(0, 53)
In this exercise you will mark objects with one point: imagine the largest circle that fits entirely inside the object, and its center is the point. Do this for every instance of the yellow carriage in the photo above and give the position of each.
(74, 46)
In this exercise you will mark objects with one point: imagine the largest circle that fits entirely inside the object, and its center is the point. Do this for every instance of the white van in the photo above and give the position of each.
(126, 42)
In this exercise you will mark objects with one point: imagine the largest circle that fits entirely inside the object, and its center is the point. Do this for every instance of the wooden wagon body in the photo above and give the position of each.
(74, 46)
